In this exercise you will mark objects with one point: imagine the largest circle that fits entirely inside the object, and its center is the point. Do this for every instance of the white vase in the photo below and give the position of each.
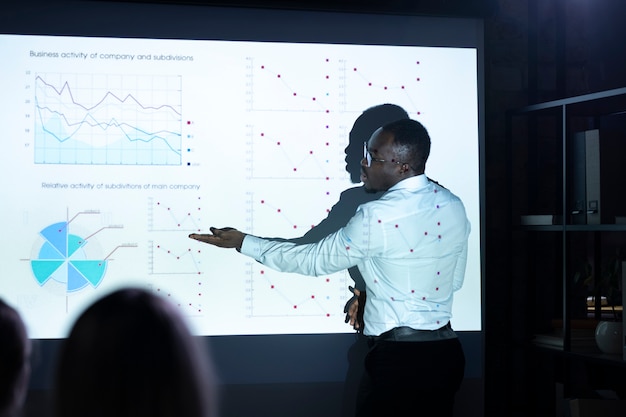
(609, 336)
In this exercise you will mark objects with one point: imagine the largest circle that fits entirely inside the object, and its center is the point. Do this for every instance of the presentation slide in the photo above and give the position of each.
(118, 149)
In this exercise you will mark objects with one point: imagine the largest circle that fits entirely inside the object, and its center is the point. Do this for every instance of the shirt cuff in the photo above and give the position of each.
(251, 246)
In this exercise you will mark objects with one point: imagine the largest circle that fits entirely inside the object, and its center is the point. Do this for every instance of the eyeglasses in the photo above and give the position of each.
(369, 158)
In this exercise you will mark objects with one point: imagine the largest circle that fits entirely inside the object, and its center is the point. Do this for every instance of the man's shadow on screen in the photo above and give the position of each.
(364, 126)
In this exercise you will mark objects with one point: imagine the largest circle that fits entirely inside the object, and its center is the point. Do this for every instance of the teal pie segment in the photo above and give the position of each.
(62, 258)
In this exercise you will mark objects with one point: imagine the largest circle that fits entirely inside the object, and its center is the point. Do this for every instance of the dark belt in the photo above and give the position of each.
(407, 334)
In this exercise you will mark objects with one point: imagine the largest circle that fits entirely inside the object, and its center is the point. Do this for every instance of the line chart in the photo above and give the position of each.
(167, 216)
(276, 295)
(106, 119)
(331, 84)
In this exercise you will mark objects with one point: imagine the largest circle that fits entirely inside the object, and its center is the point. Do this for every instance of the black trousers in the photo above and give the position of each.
(411, 379)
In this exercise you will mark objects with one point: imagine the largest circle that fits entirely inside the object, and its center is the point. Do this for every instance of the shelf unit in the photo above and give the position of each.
(561, 243)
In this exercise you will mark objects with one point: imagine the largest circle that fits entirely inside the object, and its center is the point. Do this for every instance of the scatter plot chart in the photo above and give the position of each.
(107, 119)
(279, 152)
(71, 259)
(278, 84)
(174, 215)
(292, 295)
(174, 257)
(401, 84)
(185, 292)
(275, 213)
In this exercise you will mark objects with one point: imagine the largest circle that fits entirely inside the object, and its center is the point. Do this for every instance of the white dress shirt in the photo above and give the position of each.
(410, 246)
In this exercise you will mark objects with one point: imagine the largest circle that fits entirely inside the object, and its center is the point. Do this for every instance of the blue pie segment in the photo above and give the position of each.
(62, 258)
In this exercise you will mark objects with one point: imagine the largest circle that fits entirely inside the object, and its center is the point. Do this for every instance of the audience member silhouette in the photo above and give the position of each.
(132, 354)
(15, 351)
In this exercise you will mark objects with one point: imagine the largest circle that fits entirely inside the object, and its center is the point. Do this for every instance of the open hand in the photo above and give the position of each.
(226, 237)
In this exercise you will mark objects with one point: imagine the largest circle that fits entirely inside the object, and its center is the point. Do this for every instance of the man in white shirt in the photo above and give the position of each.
(411, 248)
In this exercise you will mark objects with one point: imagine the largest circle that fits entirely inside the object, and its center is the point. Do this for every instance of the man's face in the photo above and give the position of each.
(384, 169)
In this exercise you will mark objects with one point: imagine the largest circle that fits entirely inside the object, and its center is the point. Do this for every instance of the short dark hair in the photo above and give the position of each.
(412, 141)
(14, 359)
(131, 354)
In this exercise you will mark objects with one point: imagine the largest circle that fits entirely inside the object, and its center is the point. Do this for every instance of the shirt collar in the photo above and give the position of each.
(412, 183)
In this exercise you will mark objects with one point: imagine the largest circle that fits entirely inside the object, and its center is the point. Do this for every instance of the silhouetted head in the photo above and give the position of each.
(132, 354)
(14, 360)
(363, 128)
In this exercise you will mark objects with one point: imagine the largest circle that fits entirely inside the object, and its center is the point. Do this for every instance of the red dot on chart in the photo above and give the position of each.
(327, 60)
(385, 87)
(310, 152)
(354, 69)
(295, 226)
(272, 286)
(327, 178)
(402, 87)
(188, 122)
(278, 76)
(327, 279)
(369, 84)
(312, 296)
(294, 94)
(312, 226)
(418, 78)
(417, 62)
(313, 98)
(327, 77)
(295, 169)
(262, 134)
(278, 143)
(295, 306)
(327, 315)
(278, 210)
(262, 201)
(262, 272)
(262, 66)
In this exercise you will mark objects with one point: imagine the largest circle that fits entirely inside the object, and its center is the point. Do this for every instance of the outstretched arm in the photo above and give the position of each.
(226, 237)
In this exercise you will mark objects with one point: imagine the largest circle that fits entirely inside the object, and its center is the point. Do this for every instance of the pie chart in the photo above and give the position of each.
(62, 258)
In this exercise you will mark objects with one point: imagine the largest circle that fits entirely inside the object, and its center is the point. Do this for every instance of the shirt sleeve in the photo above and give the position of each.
(459, 270)
(336, 252)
